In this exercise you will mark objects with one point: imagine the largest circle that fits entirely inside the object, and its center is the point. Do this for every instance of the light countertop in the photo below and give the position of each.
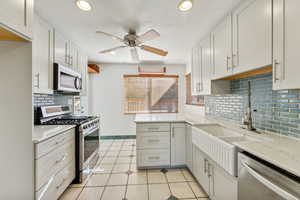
(158, 118)
(44, 132)
(281, 151)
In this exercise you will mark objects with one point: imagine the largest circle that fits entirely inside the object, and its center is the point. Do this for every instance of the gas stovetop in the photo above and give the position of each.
(69, 120)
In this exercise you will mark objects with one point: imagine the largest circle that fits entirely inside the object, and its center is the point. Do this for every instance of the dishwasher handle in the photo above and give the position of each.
(275, 188)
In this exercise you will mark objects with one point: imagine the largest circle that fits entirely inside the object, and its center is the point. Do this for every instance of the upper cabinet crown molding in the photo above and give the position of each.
(252, 35)
(17, 17)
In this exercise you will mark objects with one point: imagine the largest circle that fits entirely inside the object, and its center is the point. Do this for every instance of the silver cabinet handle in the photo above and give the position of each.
(25, 13)
(61, 159)
(276, 63)
(272, 186)
(153, 128)
(61, 141)
(154, 157)
(227, 62)
(208, 170)
(234, 61)
(152, 141)
(205, 166)
(38, 80)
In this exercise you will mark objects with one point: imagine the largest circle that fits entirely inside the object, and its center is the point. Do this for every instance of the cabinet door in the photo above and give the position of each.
(222, 49)
(205, 86)
(61, 49)
(222, 185)
(18, 16)
(200, 168)
(42, 54)
(178, 138)
(252, 35)
(73, 56)
(286, 43)
(196, 70)
(188, 149)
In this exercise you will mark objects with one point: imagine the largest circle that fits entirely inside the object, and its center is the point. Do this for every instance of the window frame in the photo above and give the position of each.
(152, 76)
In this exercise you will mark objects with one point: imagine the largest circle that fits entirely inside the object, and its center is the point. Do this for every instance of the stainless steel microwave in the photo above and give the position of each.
(66, 80)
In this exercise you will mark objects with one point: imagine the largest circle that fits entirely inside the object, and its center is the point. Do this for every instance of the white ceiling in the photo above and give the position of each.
(179, 31)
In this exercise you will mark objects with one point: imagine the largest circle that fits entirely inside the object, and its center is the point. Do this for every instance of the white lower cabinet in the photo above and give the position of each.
(160, 144)
(188, 147)
(200, 165)
(54, 165)
(153, 158)
(217, 183)
(178, 138)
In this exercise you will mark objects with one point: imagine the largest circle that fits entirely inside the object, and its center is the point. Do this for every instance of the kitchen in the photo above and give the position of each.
(191, 99)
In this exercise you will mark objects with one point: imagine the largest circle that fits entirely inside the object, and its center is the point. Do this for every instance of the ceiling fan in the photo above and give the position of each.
(133, 41)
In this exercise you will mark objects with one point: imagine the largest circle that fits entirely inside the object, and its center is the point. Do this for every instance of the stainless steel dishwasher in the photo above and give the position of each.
(259, 180)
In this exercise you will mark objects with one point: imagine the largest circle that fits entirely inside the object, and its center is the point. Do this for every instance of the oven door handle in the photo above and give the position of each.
(272, 186)
(90, 131)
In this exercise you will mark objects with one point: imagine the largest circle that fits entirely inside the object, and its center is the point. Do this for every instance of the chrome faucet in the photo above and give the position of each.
(248, 115)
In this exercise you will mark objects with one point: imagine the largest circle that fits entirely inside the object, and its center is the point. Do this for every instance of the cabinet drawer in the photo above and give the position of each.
(53, 143)
(153, 127)
(153, 158)
(58, 184)
(53, 162)
(153, 140)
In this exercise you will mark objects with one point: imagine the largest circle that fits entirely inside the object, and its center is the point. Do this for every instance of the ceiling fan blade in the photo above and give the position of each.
(134, 54)
(149, 35)
(112, 49)
(154, 50)
(110, 35)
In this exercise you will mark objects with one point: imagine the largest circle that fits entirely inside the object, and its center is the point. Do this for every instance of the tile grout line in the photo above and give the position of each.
(107, 181)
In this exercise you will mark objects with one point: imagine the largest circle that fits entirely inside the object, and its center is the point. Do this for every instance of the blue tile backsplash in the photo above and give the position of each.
(276, 111)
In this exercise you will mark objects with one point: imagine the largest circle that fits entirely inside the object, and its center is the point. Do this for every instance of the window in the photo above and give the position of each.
(150, 94)
(192, 100)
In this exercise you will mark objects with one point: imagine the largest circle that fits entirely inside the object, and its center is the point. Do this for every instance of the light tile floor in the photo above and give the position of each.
(116, 177)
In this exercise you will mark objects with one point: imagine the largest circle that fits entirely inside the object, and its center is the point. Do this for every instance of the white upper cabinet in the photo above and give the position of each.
(196, 70)
(252, 35)
(222, 49)
(61, 49)
(17, 15)
(42, 56)
(205, 77)
(286, 43)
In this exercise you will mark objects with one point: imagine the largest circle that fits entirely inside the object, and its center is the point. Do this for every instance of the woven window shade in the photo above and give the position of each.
(150, 94)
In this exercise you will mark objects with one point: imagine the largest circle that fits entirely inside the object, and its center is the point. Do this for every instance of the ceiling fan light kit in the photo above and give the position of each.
(134, 41)
(185, 5)
(84, 5)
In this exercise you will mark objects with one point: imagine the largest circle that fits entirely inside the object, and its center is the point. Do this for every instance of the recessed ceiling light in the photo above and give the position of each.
(185, 5)
(84, 5)
(112, 52)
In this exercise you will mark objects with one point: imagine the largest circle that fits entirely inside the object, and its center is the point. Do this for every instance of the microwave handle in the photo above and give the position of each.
(77, 83)
(272, 186)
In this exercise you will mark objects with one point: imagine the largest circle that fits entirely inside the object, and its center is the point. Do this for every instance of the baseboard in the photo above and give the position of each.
(117, 137)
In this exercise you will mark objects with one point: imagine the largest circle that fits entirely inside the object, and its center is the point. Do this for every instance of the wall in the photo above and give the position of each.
(276, 111)
(107, 92)
(16, 119)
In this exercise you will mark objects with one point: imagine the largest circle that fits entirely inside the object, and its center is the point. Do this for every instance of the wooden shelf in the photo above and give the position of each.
(9, 36)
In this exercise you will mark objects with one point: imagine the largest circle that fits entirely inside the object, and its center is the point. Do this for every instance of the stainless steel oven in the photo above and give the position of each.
(88, 147)
(260, 180)
(66, 79)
